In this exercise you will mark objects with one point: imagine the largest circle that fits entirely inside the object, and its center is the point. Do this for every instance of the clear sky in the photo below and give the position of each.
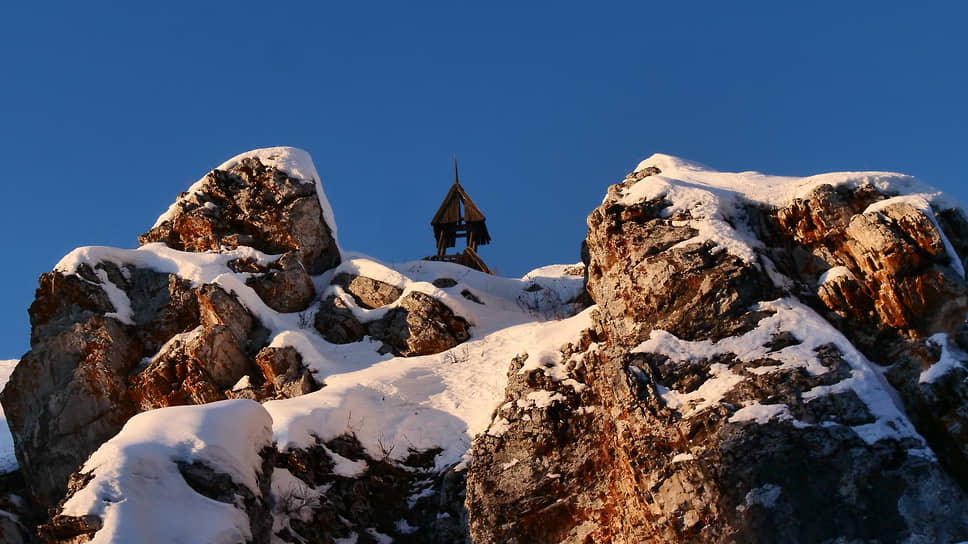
(109, 109)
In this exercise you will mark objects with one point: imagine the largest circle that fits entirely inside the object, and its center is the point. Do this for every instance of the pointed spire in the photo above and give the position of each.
(456, 180)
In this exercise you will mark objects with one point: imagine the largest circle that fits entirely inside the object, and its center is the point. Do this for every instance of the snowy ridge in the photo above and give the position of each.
(712, 199)
(436, 400)
(781, 190)
(366, 390)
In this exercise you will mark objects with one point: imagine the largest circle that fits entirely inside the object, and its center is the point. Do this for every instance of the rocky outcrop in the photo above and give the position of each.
(705, 407)
(250, 204)
(71, 529)
(418, 324)
(883, 275)
(328, 492)
(196, 366)
(217, 488)
(336, 322)
(90, 369)
(886, 279)
(642, 282)
(17, 516)
(111, 339)
(284, 373)
(69, 393)
(533, 468)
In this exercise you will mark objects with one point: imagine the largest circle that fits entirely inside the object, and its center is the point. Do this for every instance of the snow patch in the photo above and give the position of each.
(418, 402)
(138, 490)
(8, 459)
(765, 496)
(379, 537)
(423, 493)
(540, 399)
(951, 358)
(346, 467)
(405, 528)
(293, 500)
(834, 273)
(761, 413)
(923, 453)
(244, 382)
(708, 394)
(499, 427)
(119, 299)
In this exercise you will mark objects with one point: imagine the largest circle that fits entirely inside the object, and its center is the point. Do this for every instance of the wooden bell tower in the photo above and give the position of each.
(459, 217)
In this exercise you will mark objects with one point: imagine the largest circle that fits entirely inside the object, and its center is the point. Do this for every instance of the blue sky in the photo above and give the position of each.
(109, 109)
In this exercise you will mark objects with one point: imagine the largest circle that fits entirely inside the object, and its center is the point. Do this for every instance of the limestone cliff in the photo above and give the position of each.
(732, 387)
(740, 358)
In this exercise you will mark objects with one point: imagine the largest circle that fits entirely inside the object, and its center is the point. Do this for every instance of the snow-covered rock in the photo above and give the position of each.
(767, 359)
(179, 474)
(725, 397)
(218, 303)
(269, 199)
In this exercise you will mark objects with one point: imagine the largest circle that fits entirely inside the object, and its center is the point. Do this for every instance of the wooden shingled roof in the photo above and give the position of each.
(450, 209)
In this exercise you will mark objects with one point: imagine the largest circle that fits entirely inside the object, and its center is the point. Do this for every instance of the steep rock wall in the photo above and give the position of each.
(709, 405)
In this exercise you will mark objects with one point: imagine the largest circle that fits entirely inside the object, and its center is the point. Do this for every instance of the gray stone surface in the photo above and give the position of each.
(368, 292)
(285, 286)
(66, 397)
(420, 325)
(336, 322)
(283, 369)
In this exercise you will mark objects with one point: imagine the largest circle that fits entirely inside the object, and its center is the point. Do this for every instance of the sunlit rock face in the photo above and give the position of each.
(730, 388)
(889, 274)
(879, 263)
(250, 204)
